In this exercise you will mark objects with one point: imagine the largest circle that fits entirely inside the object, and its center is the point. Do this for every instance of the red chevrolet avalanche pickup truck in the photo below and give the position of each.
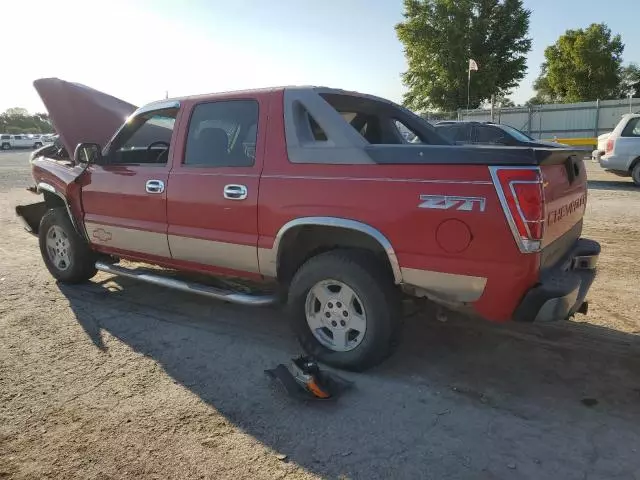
(318, 192)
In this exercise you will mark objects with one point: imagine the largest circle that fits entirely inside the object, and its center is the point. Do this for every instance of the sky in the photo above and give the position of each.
(139, 49)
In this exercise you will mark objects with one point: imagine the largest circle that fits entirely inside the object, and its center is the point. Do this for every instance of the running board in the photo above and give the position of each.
(189, 287)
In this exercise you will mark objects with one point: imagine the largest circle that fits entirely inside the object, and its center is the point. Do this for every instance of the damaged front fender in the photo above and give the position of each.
(30, 215)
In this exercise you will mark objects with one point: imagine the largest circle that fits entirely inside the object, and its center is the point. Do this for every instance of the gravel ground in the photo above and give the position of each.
(116, 379)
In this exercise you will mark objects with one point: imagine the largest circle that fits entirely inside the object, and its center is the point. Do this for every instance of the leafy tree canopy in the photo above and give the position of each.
(18, 120)
(440, 36)
(630, 81)
(583, 65)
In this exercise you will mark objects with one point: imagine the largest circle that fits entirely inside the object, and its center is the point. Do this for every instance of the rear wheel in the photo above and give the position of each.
(37, 145)
(6, 146)
(66, 254)
(635, 173)
(345, 309)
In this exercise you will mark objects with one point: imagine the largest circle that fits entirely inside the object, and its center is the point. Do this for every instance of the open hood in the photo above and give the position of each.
(81, 114)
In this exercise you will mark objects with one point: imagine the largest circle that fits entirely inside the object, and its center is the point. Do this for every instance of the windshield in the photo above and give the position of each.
(514, 132)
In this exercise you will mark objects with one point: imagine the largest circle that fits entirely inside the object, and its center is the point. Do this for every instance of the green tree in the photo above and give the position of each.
(504, 102)
(630, 81)
(17, 112)
(18, 120)
(582, 65)
(439, 38)
(535, 100)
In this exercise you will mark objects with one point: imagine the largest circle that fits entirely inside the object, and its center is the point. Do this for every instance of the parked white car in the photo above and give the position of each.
(622, 150)
(8, 141)
(601, 147)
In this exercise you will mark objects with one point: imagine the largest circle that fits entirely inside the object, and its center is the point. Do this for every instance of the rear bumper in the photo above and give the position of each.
(595, 155)
(619, 163)
(562, 290)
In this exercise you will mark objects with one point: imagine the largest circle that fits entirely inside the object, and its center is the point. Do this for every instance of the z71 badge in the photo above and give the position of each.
(446, 202)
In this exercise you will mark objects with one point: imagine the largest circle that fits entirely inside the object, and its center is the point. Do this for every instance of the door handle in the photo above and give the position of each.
(235, 192)
(154, 186)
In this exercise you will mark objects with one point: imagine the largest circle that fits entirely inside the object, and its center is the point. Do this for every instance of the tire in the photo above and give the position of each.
(376, 300)
(6, 146)
(635, 174)
(66, 254)
(37, 145)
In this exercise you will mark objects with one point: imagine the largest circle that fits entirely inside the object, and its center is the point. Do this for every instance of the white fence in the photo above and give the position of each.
(568, 120)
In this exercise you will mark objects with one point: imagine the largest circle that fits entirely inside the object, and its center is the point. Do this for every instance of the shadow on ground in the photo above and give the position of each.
(459, 399)
(621, 185)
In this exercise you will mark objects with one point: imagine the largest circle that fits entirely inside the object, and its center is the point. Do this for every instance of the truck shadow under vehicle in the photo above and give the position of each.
(458, 389)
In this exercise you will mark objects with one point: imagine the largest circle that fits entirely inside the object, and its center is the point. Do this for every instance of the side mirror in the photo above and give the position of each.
(87, 153)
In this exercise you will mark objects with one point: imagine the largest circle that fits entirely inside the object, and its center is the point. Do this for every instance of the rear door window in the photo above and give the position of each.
(223, 134)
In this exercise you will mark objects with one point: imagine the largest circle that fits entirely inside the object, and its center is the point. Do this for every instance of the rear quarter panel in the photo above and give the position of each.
(387, 197)
(627, 149)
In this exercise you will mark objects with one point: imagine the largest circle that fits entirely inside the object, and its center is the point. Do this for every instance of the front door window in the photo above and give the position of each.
(145, 140)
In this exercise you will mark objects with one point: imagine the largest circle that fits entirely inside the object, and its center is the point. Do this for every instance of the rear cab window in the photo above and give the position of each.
(409, 135)
(337, 127)
(379, 122)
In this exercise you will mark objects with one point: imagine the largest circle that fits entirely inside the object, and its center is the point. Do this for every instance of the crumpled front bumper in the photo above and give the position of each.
(30, 215)
(562, 290)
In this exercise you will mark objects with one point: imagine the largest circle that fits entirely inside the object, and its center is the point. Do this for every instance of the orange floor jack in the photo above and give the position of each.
(304, 380)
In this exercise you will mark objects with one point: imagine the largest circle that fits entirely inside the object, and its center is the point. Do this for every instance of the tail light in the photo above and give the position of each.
(521, 194)
(610, 144)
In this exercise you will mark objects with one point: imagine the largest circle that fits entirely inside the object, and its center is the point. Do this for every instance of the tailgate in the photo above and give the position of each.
(565, 194)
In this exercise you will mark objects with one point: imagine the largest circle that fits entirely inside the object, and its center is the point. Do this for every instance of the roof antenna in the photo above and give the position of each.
(166, 94)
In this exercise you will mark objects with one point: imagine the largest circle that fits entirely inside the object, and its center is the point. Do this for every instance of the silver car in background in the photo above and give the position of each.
(622, 149)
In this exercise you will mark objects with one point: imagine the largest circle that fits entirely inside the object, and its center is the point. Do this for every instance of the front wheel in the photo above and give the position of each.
(635, 174)
(345, 309)
(6, 146)
(66, 254)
